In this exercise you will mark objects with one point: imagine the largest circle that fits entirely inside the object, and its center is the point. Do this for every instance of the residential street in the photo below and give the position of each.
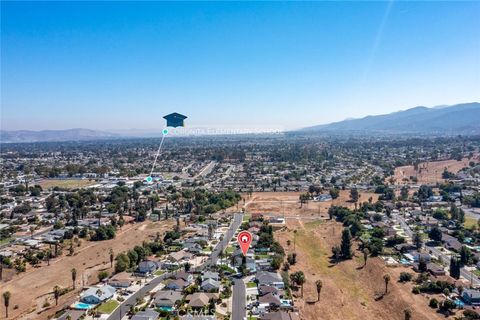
(238, 301)
(212, 260)
(436, 252)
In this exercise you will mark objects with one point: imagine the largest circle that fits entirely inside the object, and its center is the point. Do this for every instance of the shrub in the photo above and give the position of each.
(433, 303)
(405, 276)
(415, 290)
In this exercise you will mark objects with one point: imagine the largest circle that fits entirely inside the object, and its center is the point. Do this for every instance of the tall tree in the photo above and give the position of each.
(56, 294)
(74, 276)
(365, 256)
(112, 257)
(417, 240)
(346, 244)
(318, 285)
(6, 301)
(386, 278)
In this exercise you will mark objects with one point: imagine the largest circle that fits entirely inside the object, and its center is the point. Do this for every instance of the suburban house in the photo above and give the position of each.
(177, 284)
(121, 280)
(146, 268)
(280, 315)
(471, 297)
(210, 285)
(167, 298)
(96, 295)
(210, 275)
(200, 299)
(270, 279)
(148, 314)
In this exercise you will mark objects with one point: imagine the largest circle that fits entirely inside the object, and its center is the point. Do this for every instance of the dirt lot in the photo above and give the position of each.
(30, 290)
(288, 204)
(65, 183)
(348, 291)
(431, 172)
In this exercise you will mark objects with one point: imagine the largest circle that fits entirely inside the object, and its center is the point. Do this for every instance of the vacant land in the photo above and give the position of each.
(349, 290)
(430, 172)
(30, 290)
(65, 183)
(288, 204)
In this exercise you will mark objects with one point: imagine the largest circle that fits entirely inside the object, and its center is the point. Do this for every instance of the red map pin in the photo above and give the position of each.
(244, 240)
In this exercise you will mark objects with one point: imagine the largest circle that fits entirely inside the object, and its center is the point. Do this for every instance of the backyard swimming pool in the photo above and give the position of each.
(83, 306)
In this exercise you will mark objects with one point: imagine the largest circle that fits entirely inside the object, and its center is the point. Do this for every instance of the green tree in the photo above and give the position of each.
(123, 263)
(346, 244)
(417, 240)
(6, 301)
(435, 234)
(56, 294)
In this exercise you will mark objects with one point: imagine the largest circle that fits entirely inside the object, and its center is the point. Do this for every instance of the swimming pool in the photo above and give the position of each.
(166, 308)
(83, 306)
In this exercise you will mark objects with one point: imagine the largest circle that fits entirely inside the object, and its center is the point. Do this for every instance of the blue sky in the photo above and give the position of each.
(245, 65)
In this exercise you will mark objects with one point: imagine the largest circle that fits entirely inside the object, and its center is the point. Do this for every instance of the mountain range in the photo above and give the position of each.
(77, 134)
(455, 119)
(441, 120)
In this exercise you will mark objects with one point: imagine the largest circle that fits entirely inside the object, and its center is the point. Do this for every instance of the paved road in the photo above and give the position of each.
(212, 260)
(132, 300)
(439, 254)
(238, 300)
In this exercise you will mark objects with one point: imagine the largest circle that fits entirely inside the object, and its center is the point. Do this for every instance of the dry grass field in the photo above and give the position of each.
(288, 204)
(65, 183)
(31, 289)
(430, 172)
(348, 290)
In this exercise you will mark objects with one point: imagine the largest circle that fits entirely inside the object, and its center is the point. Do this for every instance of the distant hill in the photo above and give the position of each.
(54, 135)
(455, 119)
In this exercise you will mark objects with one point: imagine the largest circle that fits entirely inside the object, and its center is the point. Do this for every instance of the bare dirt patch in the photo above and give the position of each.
(288, 204)
(29, 290)
(430, 172)
(348, 291)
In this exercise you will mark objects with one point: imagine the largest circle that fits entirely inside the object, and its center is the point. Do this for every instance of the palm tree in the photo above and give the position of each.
(365, 256)
(408, 314)
(112, 257)
(386, 278)
(319, 285)
(6, 301)
(56, 294)
(74, 276)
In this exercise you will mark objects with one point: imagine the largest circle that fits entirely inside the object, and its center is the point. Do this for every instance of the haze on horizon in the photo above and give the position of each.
(119, 65)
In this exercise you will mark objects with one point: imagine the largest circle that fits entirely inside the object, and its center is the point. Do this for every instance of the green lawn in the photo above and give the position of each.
(230, 250)
(469, 222)
(246, 217)
(251, 285)
(159, 272)
(6, 240)
(108, 307)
